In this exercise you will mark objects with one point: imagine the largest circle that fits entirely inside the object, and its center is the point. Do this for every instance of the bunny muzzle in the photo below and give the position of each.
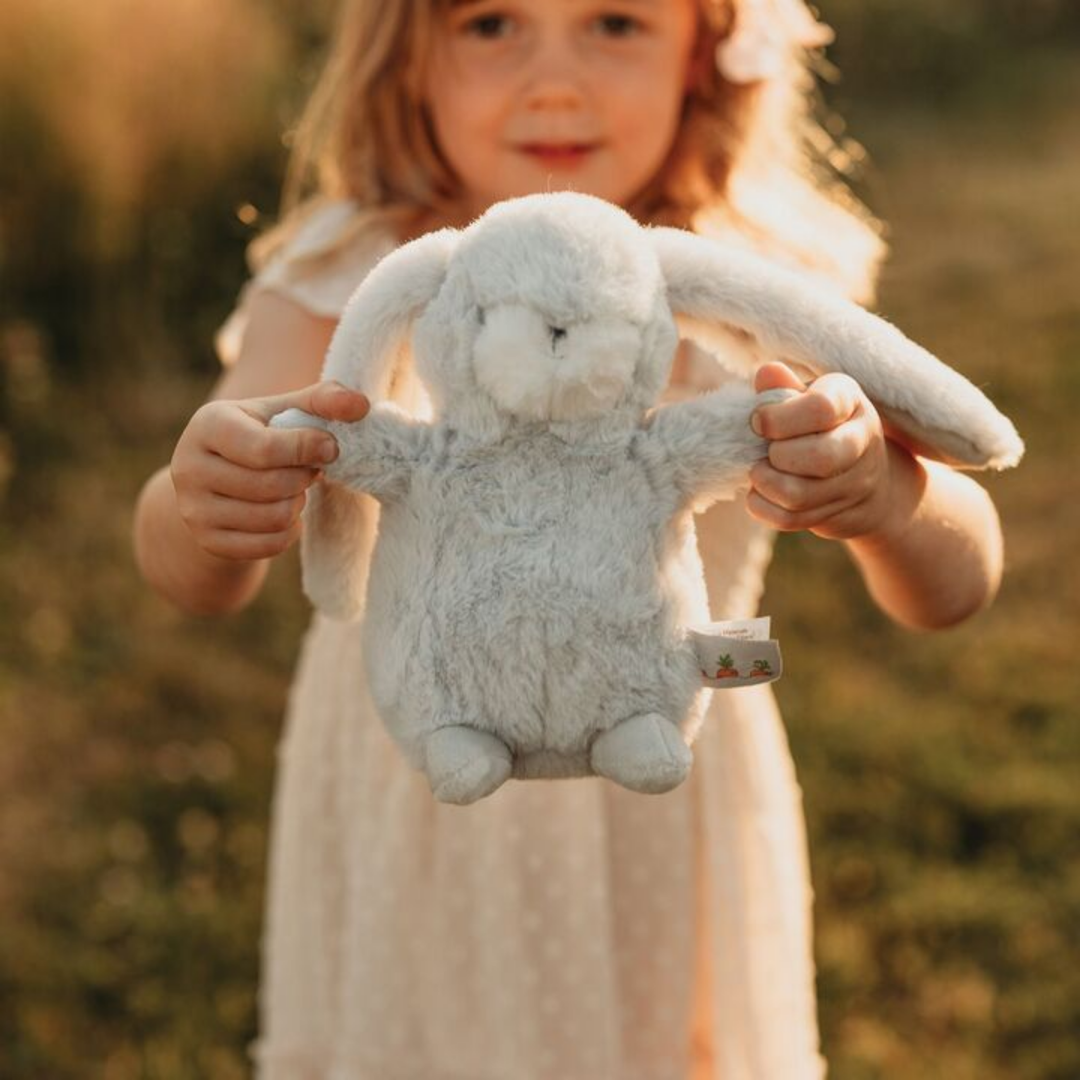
(537, 370)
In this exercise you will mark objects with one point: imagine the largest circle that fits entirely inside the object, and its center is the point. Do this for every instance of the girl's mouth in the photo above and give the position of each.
(558, 155)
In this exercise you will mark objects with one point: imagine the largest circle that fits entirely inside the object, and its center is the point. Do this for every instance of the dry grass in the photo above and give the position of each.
(125, 91)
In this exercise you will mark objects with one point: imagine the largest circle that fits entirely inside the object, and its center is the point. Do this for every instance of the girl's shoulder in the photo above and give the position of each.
(316, 258)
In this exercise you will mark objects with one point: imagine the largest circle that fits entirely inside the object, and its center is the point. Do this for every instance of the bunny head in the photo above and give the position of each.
(548, 309)
(560, 313)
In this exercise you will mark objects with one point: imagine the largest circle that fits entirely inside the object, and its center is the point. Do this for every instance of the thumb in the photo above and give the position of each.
(776, 375)
(333, 401)
(328, 400)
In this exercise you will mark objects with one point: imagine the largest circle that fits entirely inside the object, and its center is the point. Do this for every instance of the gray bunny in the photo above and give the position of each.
(536, 570)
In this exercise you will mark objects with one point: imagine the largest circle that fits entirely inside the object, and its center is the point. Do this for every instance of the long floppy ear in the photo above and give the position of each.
(379, 314)
(339, 523)
(935, 409)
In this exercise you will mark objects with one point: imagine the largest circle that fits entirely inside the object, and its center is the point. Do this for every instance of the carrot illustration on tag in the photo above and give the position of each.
(726, 669)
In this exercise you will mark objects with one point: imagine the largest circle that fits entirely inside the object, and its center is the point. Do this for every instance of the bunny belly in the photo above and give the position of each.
(526, 619)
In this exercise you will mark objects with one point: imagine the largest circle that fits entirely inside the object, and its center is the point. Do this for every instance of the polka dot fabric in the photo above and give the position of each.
(556, 930)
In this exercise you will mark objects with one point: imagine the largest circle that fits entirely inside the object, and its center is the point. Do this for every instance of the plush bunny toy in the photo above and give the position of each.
(536, 571)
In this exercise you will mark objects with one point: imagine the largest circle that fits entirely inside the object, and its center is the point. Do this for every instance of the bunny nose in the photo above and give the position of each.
(557, 333)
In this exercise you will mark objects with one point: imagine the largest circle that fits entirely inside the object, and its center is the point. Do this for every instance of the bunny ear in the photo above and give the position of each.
(376, 320)
(936, 410)
(339, 523)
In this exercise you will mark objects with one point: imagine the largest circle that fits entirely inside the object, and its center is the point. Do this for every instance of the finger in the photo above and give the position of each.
(789, 520)
(821, 455)
(233, 544)
(252, 445)
(332, 401)
(328, 399)
(771, 377)
(256, 485)
(827, 403)
(804, 495)
(774, 375)
(250, 517)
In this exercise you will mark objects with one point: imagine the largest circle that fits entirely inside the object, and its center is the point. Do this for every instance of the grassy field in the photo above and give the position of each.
(939, 770)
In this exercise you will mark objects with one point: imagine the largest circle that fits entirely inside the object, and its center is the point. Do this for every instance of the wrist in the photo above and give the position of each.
(936, 560)
(174, 564)
(202, 583)
(906, 479)
(216, 586)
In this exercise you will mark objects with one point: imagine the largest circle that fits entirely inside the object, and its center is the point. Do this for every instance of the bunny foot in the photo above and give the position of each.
(465, 764)
(644, 753)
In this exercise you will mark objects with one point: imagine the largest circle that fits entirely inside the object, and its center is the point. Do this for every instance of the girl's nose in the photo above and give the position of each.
(553, 78)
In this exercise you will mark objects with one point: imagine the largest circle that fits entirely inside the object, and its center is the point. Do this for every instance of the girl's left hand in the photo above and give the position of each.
(830, 467)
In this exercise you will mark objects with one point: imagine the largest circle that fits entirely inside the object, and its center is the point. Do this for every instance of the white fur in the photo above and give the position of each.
(536, 571)
(536, 371)
(942, 414)
(339, 523)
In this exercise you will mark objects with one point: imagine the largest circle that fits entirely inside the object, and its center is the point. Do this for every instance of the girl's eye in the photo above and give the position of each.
(490, 27)
(618, 25)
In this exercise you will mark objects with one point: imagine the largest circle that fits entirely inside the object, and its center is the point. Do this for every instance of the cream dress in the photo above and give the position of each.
(556, 930)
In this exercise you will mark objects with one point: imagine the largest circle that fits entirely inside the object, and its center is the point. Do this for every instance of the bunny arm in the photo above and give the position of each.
(377, 454)
(705, 447)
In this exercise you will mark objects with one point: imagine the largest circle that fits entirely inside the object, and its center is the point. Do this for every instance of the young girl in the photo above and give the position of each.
(564, 929)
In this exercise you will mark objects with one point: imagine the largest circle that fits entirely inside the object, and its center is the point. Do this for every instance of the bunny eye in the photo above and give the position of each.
(480, 317)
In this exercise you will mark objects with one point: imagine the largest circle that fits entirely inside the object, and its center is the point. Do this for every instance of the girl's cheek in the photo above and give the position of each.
(484, 86)
(636, 78)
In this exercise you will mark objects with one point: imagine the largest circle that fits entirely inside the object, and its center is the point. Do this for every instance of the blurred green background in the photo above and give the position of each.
(141, 148)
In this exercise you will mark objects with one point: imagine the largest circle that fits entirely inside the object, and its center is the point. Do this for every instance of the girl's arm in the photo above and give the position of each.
(938, 558)
(926, 539)
(207, 525)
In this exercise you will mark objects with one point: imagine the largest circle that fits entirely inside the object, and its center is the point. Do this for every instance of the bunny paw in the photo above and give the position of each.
(465, 764)
(297, 418)
(645, 753)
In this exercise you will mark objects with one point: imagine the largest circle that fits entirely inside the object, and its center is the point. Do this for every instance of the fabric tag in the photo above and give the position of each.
(737, 652)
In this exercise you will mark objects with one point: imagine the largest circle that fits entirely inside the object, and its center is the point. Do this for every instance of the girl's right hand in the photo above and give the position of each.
(240, 485)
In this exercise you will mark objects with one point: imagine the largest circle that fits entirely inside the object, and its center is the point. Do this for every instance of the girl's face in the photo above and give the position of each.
(541, 95)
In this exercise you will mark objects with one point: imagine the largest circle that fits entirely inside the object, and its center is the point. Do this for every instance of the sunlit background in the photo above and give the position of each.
(140, 148)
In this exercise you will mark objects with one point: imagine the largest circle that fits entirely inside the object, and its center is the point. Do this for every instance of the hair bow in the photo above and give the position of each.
(764, 33)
